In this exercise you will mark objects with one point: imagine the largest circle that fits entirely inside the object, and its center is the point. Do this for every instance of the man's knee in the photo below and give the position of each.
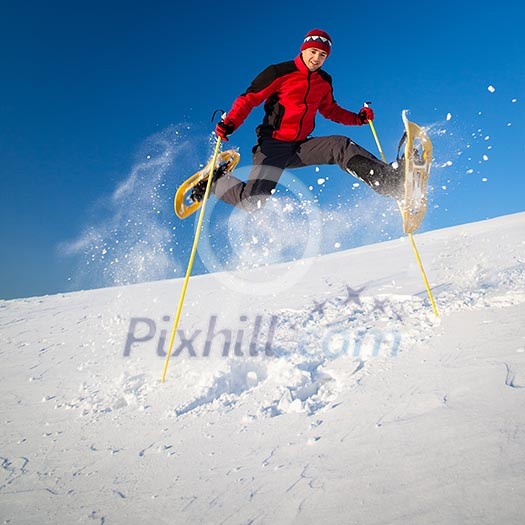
(257, 192)
(342, 149)
(252, 203)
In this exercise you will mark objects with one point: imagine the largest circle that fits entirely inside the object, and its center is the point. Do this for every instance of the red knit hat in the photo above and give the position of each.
(318, 39)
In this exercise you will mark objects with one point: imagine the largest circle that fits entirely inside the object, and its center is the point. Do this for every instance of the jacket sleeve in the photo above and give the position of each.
(333, 111)
(260, 89)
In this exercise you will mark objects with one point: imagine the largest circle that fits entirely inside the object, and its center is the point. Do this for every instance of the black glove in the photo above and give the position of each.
(366, 114)
(223, 129)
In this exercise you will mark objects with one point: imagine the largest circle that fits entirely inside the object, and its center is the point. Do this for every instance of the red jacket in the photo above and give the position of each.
(293, 95)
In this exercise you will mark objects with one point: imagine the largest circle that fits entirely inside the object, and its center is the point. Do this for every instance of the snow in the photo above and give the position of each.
(341, 398)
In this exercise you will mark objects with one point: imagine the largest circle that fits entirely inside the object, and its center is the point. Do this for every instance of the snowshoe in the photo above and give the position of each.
(191, 193)
(199, 190)
(415, 160)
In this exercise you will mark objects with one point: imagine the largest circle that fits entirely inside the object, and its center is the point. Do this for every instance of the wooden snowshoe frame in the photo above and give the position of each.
(184, 206)
(418, 158)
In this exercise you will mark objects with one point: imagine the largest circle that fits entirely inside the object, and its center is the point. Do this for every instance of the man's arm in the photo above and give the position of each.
(260, 89)
(264, 85)
(333, 111)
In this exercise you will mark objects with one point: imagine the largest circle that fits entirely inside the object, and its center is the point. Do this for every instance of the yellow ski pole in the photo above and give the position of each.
(410, 235)
(372, 127)
(424, 275)
(190, 262)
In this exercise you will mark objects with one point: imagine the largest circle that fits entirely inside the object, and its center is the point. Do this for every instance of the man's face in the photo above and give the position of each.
(313, 58)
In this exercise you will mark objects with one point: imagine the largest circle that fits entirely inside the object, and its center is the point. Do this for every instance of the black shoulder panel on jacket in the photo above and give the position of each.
(325, 76)
(264, 79)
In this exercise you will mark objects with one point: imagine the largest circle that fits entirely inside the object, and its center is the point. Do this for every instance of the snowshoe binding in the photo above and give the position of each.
(199, 190)
(191, 193)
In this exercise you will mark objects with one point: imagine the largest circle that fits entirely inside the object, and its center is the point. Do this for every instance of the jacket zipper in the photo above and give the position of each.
(306, 107)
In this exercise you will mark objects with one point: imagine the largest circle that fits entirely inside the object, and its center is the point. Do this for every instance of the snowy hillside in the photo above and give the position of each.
(341, 398)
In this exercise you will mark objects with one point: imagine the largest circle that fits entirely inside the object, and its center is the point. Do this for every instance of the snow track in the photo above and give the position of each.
(343, 401)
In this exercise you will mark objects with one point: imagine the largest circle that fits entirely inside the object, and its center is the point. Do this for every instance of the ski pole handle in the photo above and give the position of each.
(372, 127)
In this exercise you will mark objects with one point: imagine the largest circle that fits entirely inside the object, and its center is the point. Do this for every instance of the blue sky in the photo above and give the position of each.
(85, 87)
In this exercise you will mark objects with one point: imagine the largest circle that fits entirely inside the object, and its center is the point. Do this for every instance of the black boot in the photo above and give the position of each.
(382, 178)
(199, 190)
(396, 189)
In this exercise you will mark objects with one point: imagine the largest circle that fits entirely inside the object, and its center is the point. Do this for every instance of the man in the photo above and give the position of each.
(293, 93)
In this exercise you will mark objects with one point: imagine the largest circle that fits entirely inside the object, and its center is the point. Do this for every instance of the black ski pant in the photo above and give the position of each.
(271, 157)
